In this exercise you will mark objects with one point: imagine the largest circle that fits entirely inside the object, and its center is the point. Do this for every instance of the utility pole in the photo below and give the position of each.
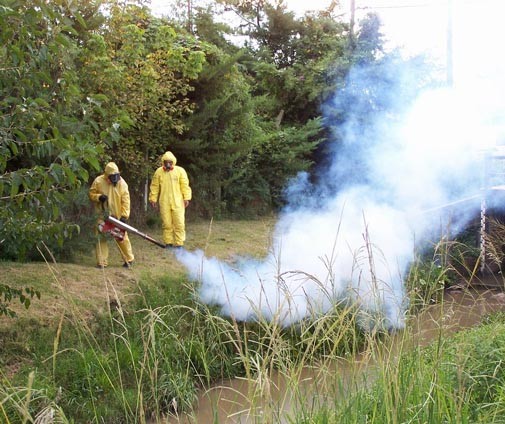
(351, 24)
(449, 53)
(190, 17)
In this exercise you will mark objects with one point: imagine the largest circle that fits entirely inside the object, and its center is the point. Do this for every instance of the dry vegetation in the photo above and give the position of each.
(81, 285)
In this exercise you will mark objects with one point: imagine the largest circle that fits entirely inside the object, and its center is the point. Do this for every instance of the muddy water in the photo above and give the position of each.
(268, 400)
(271, 398)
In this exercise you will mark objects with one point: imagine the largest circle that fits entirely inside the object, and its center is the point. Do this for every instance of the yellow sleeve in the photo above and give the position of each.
(184, 184)
(125, 202)
(94, 194)
(154, 189)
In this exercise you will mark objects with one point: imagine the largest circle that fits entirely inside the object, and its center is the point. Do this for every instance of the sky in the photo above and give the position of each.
(416, 26)
(404, 20)
(358, 243)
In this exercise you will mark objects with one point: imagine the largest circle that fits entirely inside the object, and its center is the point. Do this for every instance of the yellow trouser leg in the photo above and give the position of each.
(179, 227)
(167, 225)
(125, 248)
(101, 251)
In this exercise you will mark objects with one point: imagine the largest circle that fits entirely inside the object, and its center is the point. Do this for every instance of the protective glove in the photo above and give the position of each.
(103, 198)
(123, 219)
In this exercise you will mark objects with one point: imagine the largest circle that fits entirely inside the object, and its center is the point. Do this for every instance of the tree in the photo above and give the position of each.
(280, 156)
(47, 138)
(221, 133)
(156, 63)
(249, 149)
(212, 32)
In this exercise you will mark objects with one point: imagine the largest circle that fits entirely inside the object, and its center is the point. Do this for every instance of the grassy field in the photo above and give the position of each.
(89, 289)
(85, 349)
(133, 346)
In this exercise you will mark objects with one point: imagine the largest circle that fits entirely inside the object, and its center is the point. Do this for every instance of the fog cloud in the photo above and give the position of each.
(387, 178)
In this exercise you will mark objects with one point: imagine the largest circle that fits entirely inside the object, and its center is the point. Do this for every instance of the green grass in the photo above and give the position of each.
(459, 379)
(121, 345)
(133, 346)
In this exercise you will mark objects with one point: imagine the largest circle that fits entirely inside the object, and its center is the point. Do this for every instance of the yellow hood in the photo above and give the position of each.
(168, 156)
(111, 168)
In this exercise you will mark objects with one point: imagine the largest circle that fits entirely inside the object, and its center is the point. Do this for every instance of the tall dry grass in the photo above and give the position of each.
(149, 362)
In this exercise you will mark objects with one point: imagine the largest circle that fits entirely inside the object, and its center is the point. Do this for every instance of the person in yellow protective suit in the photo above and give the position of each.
(109, 192)
(171, 191)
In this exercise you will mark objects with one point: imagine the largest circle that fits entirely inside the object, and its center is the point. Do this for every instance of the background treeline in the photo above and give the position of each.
(85, 82)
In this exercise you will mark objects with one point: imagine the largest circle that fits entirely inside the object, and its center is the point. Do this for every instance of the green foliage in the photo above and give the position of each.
(473, 366)
(214, 33)
(457, 380)
(369, 41)
(47, 143)
(8, 294)
(298, 62)
(81, 87)
(221, 133)
(439, 267)
(154, 64)
(288, 77)
(142, 361)
(426, 282)
(149, 357)
(280, 156)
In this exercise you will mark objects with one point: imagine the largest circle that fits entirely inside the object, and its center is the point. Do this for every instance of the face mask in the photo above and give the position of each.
(167, 165)
(114, 178)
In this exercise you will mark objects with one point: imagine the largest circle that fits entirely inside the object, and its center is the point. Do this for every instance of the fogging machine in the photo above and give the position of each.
(117, 229)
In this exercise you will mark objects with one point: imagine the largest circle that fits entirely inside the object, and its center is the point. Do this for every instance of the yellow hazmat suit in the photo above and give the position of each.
(117, 203)
(170, 189)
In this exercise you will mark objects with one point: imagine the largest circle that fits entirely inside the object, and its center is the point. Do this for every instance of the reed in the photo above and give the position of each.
(147, 361)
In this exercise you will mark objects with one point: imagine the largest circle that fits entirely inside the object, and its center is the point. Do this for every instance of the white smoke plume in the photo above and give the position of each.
(382, 192)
